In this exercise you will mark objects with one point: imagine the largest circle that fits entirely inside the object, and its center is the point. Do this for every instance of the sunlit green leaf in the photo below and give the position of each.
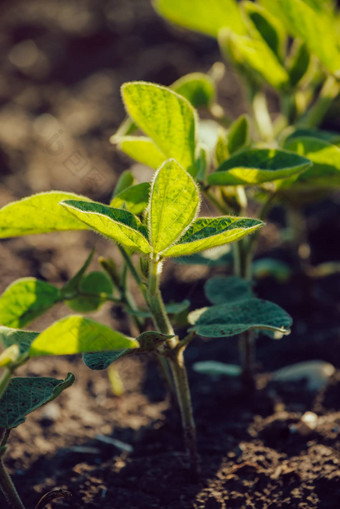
(24, 395)
(166, 117)
(39, 213)
(315, 26)
(215, 368)
(174, 203)
(134, 198)
(26, 299)
(89, 290)
(325, 171)
(116, 224)
(102, 360)
(125, 180)
(254, 55)
(255, 166)
(197, 87)
(226, 320)
(223, 289)
(208, 232)
(238, 134)
(76, 334)
(143, 150)
(202, 16)
(23, 339)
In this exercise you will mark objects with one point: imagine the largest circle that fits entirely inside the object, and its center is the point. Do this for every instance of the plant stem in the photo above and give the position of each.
(176, 360)
(10, 493)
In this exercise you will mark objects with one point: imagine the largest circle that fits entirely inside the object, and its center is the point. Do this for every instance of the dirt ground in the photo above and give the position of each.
(62, 65)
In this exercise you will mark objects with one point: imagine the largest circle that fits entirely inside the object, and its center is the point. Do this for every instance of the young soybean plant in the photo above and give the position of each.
(169, 228)
(224, 170)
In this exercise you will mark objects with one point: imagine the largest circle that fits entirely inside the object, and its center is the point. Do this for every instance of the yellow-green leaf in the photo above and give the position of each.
(134, 198)
(143, 150)
(166, 117)
(208, 232)
(116, 224)
(39, 213)
(174, 203)
(76, 334)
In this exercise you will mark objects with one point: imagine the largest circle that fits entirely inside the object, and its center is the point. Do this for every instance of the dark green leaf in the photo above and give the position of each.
(125, 180)
(24, 395)
(90, 288)
(223, 289)
(197, 87)
(73, 284)
(134, 198)
(149, 340)
(299, 64)
(238, 134)
(102, 360)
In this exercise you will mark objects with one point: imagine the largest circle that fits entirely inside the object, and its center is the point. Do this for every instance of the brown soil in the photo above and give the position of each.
(58, 111)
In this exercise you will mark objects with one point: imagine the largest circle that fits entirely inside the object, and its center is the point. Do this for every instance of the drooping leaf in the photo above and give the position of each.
(171, 309)
(26, 299)
(325, 171)
(226, 320)
(102, 360)
(238, 134)
(255, 56)
(197, 87)
(208, 232)
(256, 166)
(76, 334)
(24, 395)
(119, 225)
(223, 289)
(268, 26)
(23, 339)
(148, 340)
(143, 150)
(166, 117)
(215, 368)
(39, 213)
(90, 289)
(174, 203)
(315, 26)
(134, 198)
(202, 16)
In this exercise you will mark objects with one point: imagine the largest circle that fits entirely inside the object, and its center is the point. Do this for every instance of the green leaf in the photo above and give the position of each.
(142, 149)
(254, 55)
(256, 166)
(149, 340)
(39, 213)
(268, 27)
(166, 117)
(73, 284)
(174, 204)
(171, 309)
(102, 360)
(24, 395)
(223, 289)
(125, 180)
(197, 88)
(220, 256)
(325, 171)
(134, 199)
(215, 368)
(26, 299)
(315, 26)
(23, 339)
(208, 232)
(265, 267)
(116, 224)
(202, 16)
(299, 63)
(225, 320)
(238, 134)
(329, 136)
(76, 334)
(90, 289)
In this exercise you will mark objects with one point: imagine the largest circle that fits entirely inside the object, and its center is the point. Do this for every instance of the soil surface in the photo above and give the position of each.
(63, 63)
